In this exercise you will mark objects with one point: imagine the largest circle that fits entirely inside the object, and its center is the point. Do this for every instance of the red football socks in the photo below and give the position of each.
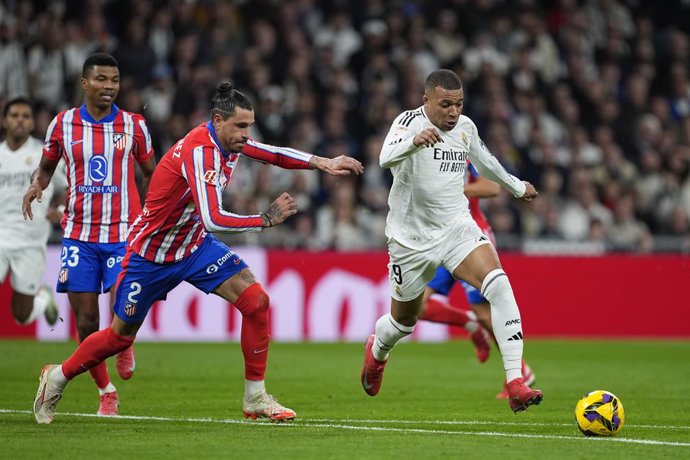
(253, 304)
(92, 353)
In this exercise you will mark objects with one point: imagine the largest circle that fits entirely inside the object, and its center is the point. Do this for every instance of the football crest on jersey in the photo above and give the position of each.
(210, 177)
(464, 140)
(63, 276)
(130, 309)
(120, 141)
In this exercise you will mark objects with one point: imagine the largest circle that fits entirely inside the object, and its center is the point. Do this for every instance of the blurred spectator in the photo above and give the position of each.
(579, 211)
(626, 232)
(483, 51)
(589, 99)
(46, 64)
(161, 38)
(14, 78)
(134, 55)
(445, 38)
(337, 34)
(271, 122)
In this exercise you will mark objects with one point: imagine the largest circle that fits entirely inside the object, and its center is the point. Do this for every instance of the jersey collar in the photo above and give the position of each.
(85, 115)
(212, 131)
(424, 112)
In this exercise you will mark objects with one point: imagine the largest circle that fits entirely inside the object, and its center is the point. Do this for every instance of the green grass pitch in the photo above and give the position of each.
(437, 401)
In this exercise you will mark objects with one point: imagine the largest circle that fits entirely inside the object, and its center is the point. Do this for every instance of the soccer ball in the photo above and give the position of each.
(599, 413)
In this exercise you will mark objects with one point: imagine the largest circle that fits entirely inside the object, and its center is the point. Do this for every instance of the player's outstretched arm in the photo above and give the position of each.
(530, 192)
(489, 167)
(338, 166)
(40, 179)
(282, 207)
(289, 158)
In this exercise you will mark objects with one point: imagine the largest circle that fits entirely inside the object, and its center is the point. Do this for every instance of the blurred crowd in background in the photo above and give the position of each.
(587, 99)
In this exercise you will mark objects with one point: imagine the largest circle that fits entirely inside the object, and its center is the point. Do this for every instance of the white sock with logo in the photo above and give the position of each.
(506, 321)
(388, 332)
(253, 387)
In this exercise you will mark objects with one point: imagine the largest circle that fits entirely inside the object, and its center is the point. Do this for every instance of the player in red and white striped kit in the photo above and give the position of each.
(100, 144)
(170, 242)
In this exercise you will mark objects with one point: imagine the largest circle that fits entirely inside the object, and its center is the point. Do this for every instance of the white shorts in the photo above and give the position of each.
(409, 270)
(26, 266)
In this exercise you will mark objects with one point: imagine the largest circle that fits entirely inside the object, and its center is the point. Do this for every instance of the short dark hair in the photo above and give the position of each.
(15, 101)
(95, 59)
(445, 78)
(227, 99)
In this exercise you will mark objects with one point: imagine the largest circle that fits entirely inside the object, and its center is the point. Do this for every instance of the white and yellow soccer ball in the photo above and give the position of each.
(599, 413)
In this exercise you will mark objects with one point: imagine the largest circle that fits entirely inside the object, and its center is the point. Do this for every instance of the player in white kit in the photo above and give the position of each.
(23, 243)
(429, 224)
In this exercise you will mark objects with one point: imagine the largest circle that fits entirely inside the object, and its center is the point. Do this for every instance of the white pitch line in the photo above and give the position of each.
(481, 422)
(303, 424)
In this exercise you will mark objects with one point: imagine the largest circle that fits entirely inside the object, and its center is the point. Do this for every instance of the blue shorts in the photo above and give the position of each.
(89, 267)
(443, 282)
(143, 282)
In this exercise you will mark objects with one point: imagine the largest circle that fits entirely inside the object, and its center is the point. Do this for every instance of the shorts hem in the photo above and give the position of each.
(406, 298)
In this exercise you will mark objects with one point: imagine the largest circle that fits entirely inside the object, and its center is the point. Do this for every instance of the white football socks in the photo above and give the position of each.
(58, 377)
(388, 332)
(253, 387)
(109, 388)
(506, 321)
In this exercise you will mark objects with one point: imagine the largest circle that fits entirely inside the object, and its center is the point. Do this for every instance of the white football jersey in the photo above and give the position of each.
(15, 174)
(426, 200)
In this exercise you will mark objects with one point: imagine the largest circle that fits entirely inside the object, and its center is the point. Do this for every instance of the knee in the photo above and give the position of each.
(253, 300)
(495, 283)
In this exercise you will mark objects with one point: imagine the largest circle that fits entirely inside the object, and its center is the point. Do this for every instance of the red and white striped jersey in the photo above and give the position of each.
(185, 197)
(102, 195)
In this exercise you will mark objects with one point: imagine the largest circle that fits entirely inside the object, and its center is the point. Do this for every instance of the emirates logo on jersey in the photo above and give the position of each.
(120, 141)
(210, 177)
